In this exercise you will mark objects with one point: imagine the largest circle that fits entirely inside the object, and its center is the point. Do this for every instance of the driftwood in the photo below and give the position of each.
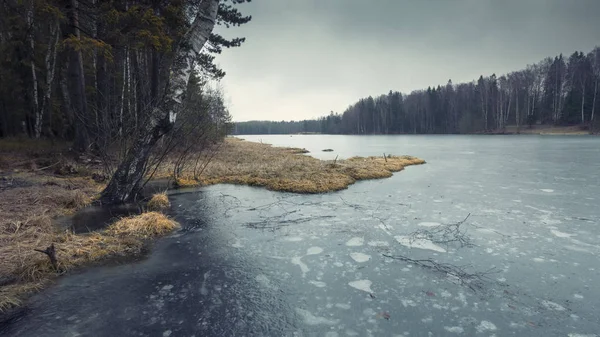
(51, 252)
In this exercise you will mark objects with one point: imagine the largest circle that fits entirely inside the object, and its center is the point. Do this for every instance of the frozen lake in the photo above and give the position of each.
(251, 262)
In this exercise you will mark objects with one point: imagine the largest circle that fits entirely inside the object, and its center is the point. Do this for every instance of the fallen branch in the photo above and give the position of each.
(444, 234)
(474, 281)
(51, 252)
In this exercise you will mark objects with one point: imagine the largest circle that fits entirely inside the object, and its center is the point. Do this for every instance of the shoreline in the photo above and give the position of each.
(45, 194)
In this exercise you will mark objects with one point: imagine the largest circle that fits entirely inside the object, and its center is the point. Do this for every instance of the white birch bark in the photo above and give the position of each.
(125, 183)
(50, 71)
(36, 105)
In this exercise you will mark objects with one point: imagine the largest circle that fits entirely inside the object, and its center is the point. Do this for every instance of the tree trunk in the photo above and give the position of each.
(594, 100)
(50, 71)
(125, 183)
(582, 102)
(81, 142)
(34, 82)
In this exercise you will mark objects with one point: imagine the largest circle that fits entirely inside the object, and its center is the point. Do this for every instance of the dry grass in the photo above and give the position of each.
(159, 202)
(28, 207)
(28, 270)
(145, 225)
(282, 169)
(186, 182)
(30, 197)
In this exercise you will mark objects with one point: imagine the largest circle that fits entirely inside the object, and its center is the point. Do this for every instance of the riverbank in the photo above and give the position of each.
(40, 182)
(286, 170)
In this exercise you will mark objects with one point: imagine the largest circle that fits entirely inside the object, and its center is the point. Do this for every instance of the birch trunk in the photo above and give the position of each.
(582, 102)
(50, 71)
(81, 142)
(594, 100)
(125, 182)
(36, 105)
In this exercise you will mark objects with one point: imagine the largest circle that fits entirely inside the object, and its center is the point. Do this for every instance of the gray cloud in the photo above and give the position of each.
(304, 58)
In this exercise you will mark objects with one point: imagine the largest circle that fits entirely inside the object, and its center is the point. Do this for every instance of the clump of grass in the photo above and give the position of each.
(145, 225)
(186, 182)
(30, 270)
(159, 202)
(11, 295)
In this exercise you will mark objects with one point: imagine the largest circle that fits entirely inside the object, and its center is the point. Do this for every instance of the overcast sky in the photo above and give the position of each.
(304, 58)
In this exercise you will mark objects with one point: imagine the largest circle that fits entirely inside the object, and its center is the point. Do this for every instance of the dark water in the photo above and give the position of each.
(250, 262)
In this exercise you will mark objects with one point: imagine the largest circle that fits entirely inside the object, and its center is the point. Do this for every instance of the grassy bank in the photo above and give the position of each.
(39, 182)
(284, 169)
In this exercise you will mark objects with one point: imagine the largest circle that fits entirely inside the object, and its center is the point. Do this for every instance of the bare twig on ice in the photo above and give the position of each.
(459, 274)
(445, 234)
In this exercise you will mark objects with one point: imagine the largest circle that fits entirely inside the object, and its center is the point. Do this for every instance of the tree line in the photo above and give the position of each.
(557, 91)
(114, 77)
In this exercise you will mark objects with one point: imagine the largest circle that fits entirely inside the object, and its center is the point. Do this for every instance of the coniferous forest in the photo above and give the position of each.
(89, 71)
(555, 91)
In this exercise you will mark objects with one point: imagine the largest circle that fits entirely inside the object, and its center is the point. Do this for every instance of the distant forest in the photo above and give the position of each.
(557, 91)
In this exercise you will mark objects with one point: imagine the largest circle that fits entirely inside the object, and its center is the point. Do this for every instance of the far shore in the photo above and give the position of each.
(546, 130)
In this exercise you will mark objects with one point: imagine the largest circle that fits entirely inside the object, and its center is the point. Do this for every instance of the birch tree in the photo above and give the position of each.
(125, 182)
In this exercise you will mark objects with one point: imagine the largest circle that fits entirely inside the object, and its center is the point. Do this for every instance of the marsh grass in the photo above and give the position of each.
(27, 208)
(285, 169)
(158, 202)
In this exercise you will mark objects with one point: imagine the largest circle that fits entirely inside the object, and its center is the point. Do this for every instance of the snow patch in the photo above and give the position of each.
(364, 285)
(360, 257)
(408, 303)
(454, 329)
(311, 319)
(293, 238)
(264, 280)
(418, 243)
(445, 294)
(343, 306)
(553, 306)
(355, 242)
(378, 243)
(318, 284)
(561, 234)
(303, 267)
(314, 250)
(237, 244)
(429, 224)
(485, 326)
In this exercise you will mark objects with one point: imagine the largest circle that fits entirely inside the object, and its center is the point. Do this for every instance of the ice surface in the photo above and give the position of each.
(311, 319)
